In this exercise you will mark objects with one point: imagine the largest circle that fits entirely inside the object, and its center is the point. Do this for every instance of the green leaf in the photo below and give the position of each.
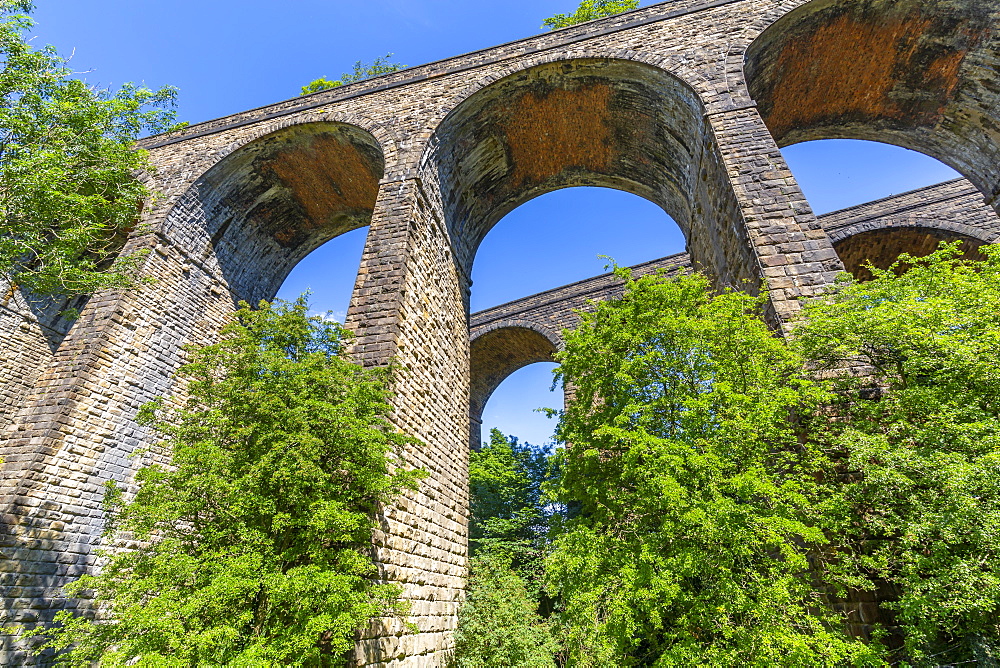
(69, 196)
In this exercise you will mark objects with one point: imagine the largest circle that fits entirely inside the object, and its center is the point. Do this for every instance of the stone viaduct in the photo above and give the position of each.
(684, 103)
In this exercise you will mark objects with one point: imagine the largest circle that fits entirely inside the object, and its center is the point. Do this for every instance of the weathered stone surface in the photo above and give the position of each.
(654, 101)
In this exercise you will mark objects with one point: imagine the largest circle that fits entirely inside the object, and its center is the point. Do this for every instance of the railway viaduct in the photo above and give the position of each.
(684, 103)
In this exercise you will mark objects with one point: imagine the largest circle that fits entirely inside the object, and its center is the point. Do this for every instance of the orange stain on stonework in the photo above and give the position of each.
(329, 177)
(851, 67)
(562, 129)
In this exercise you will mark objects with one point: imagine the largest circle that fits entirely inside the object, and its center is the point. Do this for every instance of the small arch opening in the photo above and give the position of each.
(881, 248)
(497, 352)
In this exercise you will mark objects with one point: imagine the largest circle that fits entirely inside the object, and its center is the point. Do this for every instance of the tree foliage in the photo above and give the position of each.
(499, 623)
(732, 486)
(920, 440)
(505, 490)
(362, 71)
(588, 11)
(69, 195)
(699, 497)
(253, 547)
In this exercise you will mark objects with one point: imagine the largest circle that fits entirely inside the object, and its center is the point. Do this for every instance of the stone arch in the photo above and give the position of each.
(941, 227)
(383, 135)
(921, 74)
(586, 121)
(673, 64)
(271, 201)
(882, 242)
(497, 351)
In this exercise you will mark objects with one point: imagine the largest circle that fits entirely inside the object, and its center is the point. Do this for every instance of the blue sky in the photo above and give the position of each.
(227, 56)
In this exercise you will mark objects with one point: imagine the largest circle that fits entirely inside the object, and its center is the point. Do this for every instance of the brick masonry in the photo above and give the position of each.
(684, 103)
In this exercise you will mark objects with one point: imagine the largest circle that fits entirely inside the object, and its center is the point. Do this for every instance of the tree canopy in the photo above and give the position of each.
(505, 492)
(499, 624)
(362, 71)
(918, 438)
(698, 496)
(69, 193)
(739, 498)
(588, 11)
(254, 546)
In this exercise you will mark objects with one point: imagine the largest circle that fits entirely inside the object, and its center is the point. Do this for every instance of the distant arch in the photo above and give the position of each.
(881, 245)
(941, 227)
(497, 351)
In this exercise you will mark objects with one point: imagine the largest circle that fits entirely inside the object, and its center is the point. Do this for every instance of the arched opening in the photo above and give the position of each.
(883, 247)
(917, 74)
(237, 232)
(265, 207)
(567, 236)
(607, 123)
(921, 74)
(838, 174)
(588, 122)
(497, 352)
(328, 274)
(877, 201)
(240, 227)
(513, 406)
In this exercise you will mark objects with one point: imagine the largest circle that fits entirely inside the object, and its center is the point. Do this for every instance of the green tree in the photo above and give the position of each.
(505, 490)
(699, 497)
(499, 625)
(361, 72)
(69, 195)
(253, 548)
(919, 437)
(588, 11)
